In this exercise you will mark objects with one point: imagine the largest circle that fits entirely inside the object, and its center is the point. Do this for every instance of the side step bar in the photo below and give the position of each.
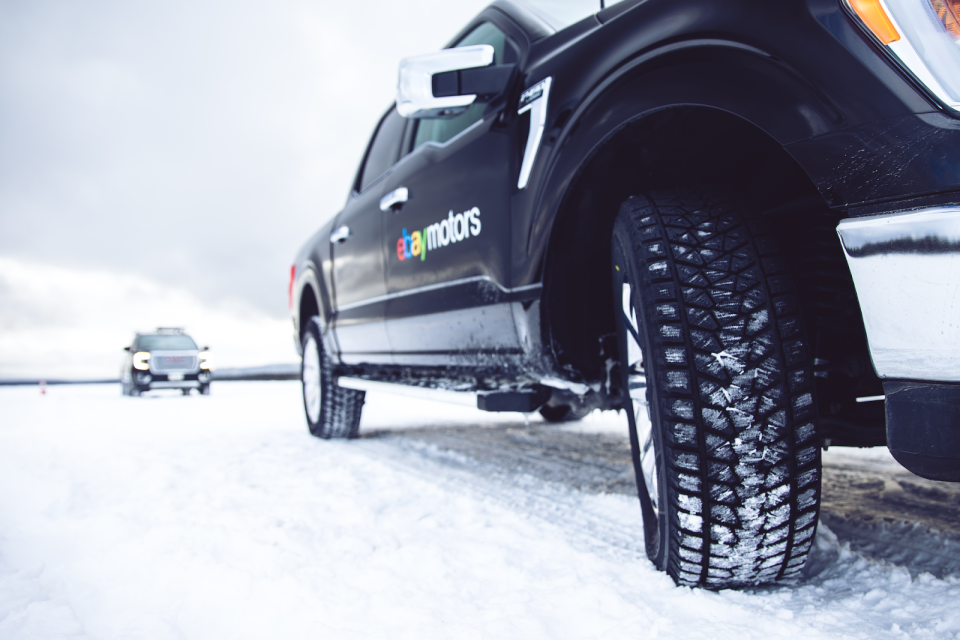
(524, 401)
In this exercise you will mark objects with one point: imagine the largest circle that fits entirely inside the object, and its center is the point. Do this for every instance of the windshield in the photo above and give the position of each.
(173, 342)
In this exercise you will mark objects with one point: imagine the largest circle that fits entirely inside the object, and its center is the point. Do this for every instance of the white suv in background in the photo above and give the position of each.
(166, 359)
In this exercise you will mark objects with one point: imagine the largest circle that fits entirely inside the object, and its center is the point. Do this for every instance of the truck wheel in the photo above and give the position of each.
(564, 413)
(332, 411)
(718, 383)
(205, 389)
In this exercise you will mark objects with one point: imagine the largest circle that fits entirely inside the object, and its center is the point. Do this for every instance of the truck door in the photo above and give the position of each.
(358, 260)
(447, 240)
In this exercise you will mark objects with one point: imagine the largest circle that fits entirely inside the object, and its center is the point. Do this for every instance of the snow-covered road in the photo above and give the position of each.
(219, 517)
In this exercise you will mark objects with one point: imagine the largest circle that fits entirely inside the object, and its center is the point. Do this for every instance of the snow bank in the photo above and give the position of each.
(219, 517)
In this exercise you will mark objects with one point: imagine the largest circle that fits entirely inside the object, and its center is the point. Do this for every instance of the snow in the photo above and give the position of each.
(219, 517)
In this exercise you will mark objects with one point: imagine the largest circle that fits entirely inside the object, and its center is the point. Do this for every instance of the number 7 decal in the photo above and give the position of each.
(533, 100)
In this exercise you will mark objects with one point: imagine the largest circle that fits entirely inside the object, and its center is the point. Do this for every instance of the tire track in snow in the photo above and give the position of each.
(611, 526)
(843, 593)
(880, 509)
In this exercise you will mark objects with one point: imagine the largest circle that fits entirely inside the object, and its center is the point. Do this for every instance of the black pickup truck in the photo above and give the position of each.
(739, 221)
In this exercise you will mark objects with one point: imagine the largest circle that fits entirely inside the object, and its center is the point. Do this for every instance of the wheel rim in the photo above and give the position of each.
(311, 379)
(637, 389)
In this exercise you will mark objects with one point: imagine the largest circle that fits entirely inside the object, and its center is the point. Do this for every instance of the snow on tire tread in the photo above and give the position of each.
(746, 484)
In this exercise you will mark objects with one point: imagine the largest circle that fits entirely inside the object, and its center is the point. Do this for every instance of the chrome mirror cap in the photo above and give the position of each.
(415, 97)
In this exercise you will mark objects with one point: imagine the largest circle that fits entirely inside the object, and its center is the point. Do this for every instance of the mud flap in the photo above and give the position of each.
(524, 400)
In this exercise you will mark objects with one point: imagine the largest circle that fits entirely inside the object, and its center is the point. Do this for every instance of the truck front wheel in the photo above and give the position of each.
(717, 379)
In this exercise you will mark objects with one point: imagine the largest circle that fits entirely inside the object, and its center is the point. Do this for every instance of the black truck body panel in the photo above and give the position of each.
(794, 88)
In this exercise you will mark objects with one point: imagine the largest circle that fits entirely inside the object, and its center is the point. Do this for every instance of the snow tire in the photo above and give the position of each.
(719, 388)
(331, 411)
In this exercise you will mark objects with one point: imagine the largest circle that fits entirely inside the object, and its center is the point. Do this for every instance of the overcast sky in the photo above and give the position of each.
(160, 163)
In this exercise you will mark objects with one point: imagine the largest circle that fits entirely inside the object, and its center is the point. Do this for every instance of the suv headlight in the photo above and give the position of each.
(140, 360)
(924, 35)
(205, 361)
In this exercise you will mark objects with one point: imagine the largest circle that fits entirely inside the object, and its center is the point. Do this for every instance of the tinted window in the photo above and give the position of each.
(442, 129)
(165, 342)
(384, 149)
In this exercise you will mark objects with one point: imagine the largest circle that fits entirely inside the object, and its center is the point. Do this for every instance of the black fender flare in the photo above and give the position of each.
(307, 278)
(308, 282)
(736, 82)
(715, 74)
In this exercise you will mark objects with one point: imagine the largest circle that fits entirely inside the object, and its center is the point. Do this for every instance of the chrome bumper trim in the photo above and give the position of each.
(180, 384)
(906, 268)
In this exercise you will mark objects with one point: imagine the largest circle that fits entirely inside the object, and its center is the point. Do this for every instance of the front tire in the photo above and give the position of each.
(332, 411)
(717, 378)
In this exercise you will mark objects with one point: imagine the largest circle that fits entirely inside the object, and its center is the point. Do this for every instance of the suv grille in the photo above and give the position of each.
(163, 364)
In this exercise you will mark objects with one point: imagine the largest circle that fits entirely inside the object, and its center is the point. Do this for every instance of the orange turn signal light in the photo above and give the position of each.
(949, 13)
(873, 15)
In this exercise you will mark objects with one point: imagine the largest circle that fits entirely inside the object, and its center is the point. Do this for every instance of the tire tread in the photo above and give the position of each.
(734, 386)
(340, 408)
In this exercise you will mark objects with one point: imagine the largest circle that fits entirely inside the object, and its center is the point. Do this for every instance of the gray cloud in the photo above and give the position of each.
(196, 144)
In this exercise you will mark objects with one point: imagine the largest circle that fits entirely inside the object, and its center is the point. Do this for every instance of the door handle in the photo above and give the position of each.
(340, 235)
(395, 199)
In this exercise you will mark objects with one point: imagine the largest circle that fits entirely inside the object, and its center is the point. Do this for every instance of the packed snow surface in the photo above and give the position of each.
(219, 517)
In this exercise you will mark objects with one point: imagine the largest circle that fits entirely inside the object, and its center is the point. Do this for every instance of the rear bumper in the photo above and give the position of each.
(906, 268)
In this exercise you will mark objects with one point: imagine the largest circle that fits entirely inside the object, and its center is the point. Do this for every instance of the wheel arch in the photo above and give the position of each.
(697, 112)
(741, 80)
(308, 301)
(666, 148)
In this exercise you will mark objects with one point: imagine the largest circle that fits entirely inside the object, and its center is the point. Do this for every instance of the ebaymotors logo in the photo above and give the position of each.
(455, 228)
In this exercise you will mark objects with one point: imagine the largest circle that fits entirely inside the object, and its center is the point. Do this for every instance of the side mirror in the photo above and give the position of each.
(205, 349)
(126, 348)
(444, 84)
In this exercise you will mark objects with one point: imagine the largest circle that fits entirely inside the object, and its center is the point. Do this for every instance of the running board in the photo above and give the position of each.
(524, 401)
